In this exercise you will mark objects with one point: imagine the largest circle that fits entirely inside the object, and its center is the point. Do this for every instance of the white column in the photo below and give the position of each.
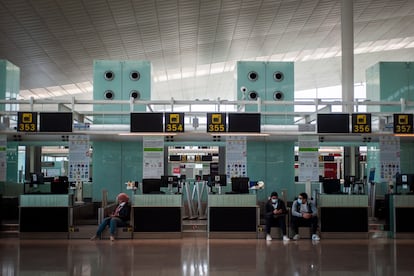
(347, 44)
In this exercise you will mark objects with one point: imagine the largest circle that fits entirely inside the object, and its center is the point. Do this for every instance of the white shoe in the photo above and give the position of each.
(268, 237)
(296, 237)
(315, 237)
(286, 238)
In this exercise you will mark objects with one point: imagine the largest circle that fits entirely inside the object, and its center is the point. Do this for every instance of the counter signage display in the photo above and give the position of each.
(56, 121)
(361, 123)
(147, 122)
(174, 122)
(333, 123)
(216, 122)
(403, 123)
(244, 122)
(27, 121)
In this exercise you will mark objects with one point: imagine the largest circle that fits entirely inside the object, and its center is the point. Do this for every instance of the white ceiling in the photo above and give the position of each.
(194, 45)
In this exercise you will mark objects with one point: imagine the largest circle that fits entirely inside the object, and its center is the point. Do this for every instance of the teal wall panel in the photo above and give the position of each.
(12, 162)
(128, 78)
(9, 82)
(279, 83)
(390, 81)
(272, 162)
(407, 156)
(115, 163)
(273, 78)
(250, 82)
(107, 78)
(136, 77)
(131, 162)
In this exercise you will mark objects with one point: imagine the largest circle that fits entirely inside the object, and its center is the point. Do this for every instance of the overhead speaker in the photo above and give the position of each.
(253, 76)
(135, 94)
(109, 75)
(278, 76)
(278, 95)
(134, 75)
(109, 95)
(253, 95)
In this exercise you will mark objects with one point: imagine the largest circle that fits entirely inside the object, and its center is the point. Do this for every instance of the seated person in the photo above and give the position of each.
(304, 213)
(275, 215)
(119, 217)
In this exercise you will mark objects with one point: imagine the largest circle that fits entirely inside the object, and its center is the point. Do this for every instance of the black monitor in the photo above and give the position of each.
(56, 122)
(404, 179)
(331, 186)
(36, 178)
(220, 179)
(147, 122)
(240, 185)
(169, 179)
(349, 180)
(333, 123)
(244, 122)
(151, 186)
(60, 185)
(207, 177)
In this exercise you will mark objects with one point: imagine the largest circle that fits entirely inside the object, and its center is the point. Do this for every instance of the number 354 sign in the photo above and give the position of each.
(27, 121)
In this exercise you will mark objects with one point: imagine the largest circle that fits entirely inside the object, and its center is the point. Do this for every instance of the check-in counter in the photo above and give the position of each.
(343, 216)
(45, 216)
(157, 216)
(232, 216)
(401, 209)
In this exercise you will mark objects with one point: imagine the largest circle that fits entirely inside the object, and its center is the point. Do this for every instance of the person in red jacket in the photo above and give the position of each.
(119, 217)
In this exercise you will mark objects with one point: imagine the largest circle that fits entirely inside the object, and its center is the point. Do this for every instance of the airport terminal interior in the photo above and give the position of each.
(193, 113)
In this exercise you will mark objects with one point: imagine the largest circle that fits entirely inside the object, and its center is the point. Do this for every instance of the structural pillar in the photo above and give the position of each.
(347, 45)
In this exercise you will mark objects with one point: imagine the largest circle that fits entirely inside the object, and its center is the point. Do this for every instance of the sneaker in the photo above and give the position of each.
(315, 237)
(296, 237)
(268, 237)
(286, 238)
(94, 238)
(112, 238)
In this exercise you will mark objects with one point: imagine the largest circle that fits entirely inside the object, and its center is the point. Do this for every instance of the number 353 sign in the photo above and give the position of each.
(27, 121)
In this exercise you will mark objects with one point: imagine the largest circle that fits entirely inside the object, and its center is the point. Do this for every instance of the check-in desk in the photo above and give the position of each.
(157, 216)
(45, 216)
(401, 216)
(232, 216)
(343, 216)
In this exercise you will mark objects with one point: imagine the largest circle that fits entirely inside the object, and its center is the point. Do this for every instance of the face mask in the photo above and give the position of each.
(299, 201)
(274, 201)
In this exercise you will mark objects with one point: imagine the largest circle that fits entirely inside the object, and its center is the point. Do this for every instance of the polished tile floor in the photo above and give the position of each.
(201, 256)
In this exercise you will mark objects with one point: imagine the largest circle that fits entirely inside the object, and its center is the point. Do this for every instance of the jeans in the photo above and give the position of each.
(299, 221)
(113, 223)
(279, 221)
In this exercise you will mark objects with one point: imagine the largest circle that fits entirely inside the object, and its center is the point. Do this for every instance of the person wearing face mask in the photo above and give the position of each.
(119, 217)
(275, 215)
(304, 213)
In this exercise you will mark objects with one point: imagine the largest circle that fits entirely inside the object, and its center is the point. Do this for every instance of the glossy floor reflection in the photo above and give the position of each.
(200, 256)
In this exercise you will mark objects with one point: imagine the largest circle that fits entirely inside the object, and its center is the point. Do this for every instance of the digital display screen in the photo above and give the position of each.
(244, 122)
(147, 122)
(333, 123)
(56, 122)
